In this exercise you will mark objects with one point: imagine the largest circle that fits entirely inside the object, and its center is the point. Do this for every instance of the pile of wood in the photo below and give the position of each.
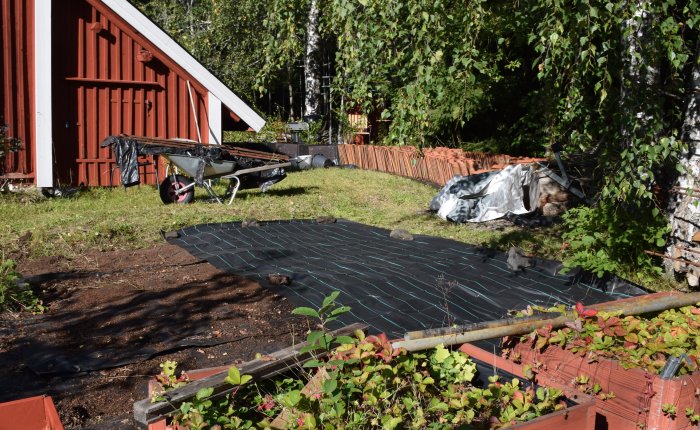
(554, 199)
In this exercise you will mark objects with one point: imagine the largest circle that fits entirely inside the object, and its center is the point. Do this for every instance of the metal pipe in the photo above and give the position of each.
(513, 326)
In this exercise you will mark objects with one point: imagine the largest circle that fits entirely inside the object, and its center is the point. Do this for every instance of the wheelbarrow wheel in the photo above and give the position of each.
(169, 187)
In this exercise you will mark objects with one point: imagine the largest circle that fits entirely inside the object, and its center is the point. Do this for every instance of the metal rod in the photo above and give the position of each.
(633, 306)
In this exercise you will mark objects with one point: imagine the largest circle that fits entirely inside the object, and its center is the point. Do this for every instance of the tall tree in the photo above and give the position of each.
(311, 67)
(683, 207)
(617, 73)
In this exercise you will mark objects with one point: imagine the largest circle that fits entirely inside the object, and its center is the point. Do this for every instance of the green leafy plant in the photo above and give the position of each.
(692, 416)
(583, 383)
(321, 340)
(669, 410)
(168, 380)
(645, 342)
(432, 389)
(8, 144)
(234, 377)
(610, 239)
(367, 383)
(16, 295)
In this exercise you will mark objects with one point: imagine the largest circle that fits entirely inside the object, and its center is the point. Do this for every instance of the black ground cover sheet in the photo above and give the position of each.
(392, 285)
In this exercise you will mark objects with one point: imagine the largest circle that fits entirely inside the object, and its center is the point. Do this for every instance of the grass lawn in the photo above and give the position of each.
(107, 219)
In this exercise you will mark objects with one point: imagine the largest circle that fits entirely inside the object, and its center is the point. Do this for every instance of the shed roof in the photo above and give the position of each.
(171, 48)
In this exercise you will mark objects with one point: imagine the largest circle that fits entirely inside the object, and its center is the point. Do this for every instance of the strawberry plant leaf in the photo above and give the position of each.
(305, 311)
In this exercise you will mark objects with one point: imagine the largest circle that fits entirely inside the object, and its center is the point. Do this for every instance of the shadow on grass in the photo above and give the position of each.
(521, 238)
(289, 192)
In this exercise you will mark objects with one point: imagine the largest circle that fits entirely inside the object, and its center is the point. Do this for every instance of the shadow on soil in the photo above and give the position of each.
(48, 353)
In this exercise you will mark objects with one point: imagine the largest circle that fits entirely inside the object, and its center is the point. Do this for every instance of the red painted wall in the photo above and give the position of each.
(17, 82)
(109, 80)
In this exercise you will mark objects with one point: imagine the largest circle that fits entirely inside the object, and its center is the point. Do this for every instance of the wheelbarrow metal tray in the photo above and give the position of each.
(212, 168)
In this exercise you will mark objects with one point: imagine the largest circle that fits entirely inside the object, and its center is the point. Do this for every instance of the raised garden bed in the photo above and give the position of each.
(370, 385)
(33, 413)
(622, 361)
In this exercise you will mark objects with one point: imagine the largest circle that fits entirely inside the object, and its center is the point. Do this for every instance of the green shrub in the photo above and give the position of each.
(613, 239)
(16, 295)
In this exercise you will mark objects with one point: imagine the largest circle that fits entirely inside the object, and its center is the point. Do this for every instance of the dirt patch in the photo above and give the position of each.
(114, 317)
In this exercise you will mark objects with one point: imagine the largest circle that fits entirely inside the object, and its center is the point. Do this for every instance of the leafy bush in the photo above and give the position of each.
(610, 239)
(434, 390)
(634, 341)
(365, 383)
(16, 295)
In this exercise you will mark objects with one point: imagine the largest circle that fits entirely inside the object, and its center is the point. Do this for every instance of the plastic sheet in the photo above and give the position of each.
(485, 196)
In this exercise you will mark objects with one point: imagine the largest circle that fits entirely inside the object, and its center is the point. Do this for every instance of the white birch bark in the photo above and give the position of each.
(684, 204)
(312, 81)
(640, 75)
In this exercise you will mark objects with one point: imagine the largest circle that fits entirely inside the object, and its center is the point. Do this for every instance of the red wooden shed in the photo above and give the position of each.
(74, 72)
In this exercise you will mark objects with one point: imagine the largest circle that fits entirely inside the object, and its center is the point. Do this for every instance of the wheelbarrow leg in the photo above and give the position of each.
(211, 192)
(234, 188)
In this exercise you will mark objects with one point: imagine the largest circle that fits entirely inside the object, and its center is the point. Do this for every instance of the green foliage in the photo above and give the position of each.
(611, 239)
(669, 410)
(421, 64)
(234, 377)
(365, 383)
(426, 67)
(8, 144)
(168, 380)
(615, 75)
(633, 341)
(225, 36)
(321, 340)
(16, 295)
(272, 131)
(433, 389)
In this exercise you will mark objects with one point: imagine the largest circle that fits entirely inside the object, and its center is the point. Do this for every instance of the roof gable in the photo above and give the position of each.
(177, 53)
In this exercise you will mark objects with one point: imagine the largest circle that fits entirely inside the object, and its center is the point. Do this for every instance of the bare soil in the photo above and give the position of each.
(116, 304)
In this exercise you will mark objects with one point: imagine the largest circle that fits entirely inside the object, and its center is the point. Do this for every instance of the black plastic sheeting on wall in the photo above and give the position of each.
(392, 285)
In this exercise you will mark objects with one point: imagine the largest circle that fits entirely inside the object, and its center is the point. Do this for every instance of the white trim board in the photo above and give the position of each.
(172, 49)
(214, 119)
(43, 114)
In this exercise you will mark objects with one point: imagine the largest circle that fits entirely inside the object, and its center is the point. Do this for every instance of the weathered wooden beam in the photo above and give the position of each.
(146, 412)
(657, 302)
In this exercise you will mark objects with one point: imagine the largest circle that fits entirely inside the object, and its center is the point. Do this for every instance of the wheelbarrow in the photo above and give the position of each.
(190, 163)
(177, 188)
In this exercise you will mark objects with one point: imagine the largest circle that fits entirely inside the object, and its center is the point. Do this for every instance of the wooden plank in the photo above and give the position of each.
(115, 82)
(273, 364)
(630, 306)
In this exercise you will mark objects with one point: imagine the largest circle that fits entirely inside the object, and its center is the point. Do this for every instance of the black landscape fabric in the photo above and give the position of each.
(392, 285)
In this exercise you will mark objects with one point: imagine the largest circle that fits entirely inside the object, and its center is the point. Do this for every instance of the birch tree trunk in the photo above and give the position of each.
(312, 80)
(640, 76)
(684, 205)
